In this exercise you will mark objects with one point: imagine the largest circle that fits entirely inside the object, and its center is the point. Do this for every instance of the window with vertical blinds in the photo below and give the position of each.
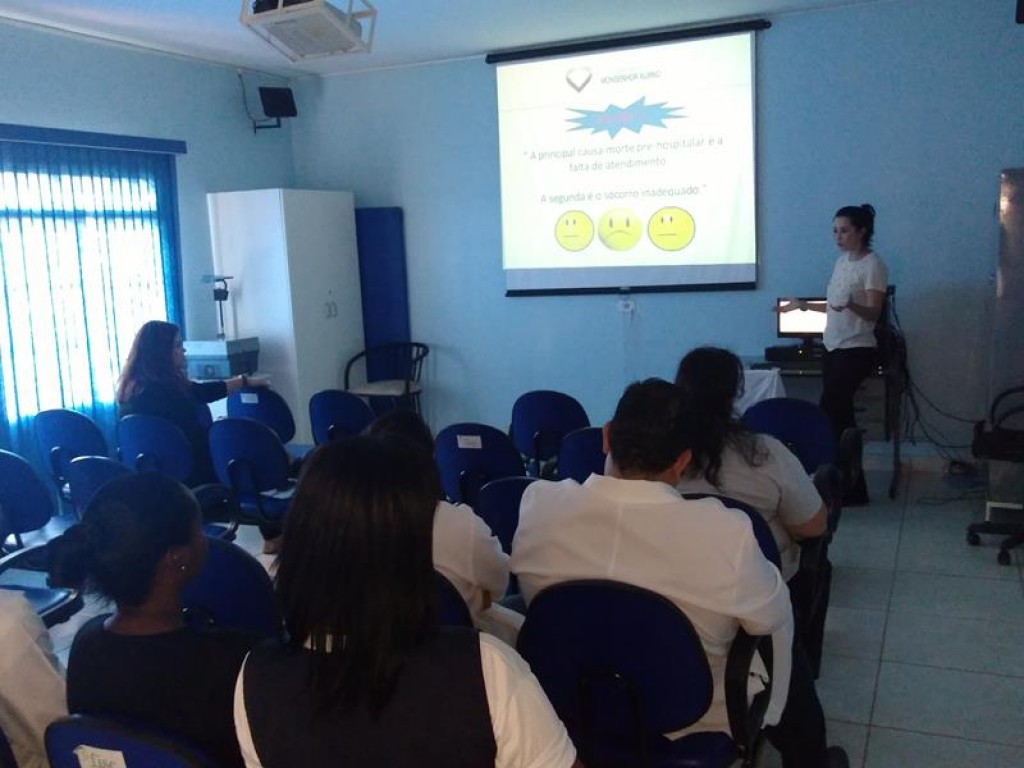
(88, 253)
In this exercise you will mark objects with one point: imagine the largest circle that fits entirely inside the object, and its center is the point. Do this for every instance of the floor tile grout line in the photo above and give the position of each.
(955, 737)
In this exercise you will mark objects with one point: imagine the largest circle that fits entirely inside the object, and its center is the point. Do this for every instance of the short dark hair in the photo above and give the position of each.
(651, 427)
(407, 425)
(862, 217)
(127, 527)
(355, 571)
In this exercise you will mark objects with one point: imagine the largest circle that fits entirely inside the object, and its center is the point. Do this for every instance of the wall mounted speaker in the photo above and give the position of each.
(278, 102)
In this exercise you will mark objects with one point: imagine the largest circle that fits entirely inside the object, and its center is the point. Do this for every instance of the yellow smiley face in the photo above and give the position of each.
(574, 230)
(619, 229)
(671, 228)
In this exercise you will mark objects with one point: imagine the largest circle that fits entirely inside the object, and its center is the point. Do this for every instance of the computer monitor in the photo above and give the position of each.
(806, 324)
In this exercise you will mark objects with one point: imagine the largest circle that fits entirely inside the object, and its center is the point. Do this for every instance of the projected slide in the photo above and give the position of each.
(629, 168)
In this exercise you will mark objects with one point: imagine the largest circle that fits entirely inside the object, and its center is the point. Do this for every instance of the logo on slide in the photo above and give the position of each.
(578, 77)
(671, 228)
(574, 230)
(633, 118)
(619, 229)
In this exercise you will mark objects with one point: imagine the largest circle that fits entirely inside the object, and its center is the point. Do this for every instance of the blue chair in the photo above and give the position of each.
(539, 421)
(390, 375)
(581, 454)
(469, 455)
(69, 741)
(6, 755)
(231, 591)
(623, 665)
(249, 459)
(62, 435)
(52, 604)
(801, 425)
(334, 413)
(151, 443)
(87, 474)
(268, 407)
(25, 503)
(452, 610)
(498, 506)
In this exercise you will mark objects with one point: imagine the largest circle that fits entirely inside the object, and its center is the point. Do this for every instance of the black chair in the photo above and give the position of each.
(581, 454)
(469, 455)
(540, 419)
(249, 459)
(390, 375)
(63, 435)
(452, 610)
(622, 666)
(1001, 438)
(25, 503)
(334, 414)
(231, 591)
(85, 740)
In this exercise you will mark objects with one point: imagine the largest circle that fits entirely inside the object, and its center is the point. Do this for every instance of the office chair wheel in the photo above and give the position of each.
(1003, 558)
(973, 539)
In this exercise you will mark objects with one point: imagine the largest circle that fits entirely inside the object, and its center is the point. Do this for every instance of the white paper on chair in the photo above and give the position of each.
(473, 442)
(93, 757)
(249, 398)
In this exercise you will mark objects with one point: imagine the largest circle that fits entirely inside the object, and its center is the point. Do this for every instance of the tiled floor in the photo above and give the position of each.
(924, 647)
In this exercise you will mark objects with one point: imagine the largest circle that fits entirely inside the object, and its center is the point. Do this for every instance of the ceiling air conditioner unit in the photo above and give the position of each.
(303, 29)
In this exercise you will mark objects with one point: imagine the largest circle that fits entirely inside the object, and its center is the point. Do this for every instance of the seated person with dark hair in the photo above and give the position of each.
(139, 541)
(730, 460)
(632, 526)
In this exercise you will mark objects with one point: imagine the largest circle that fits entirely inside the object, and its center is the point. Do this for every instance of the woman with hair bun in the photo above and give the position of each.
(856, 298)
(139, 541)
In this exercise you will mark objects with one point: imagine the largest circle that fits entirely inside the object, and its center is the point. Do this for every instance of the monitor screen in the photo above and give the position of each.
(801, 323)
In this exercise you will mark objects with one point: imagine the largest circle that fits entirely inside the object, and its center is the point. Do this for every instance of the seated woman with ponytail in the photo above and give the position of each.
(139, 541)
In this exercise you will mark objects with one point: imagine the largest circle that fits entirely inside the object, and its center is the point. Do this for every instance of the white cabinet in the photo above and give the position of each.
(292, 256)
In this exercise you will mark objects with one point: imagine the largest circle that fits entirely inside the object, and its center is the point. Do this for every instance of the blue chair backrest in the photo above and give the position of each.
(800, 424)
(334, 413)
(248, 456)
(581, 454)
(263, 405)
(231, 591)
(87, 474)
(541, 418)
(25, 503)
(6, 755)
(452, 610)
(498, 506)
(763, 534)
(203, 415)
(70, 739)
(62, 434)
(469, 455)
(613, 655)
(150, 443)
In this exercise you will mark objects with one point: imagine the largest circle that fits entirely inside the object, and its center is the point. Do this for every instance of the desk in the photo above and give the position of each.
(759, 384)
(893, 386)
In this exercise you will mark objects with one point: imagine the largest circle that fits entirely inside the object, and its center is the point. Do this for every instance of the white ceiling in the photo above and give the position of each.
(408, 31)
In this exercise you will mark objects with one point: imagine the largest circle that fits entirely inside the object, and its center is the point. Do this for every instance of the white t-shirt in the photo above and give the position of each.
(468, 554)
(699, 554)
(778, 488)
(527, 731)
(32, 692)
(851, 280)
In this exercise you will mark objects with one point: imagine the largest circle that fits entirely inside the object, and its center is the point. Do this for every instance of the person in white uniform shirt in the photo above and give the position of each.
(32, 693)
(856, 298)
(465, 550)
(633, 526)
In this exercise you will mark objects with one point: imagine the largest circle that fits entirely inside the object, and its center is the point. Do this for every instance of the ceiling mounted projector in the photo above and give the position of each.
(304, 29)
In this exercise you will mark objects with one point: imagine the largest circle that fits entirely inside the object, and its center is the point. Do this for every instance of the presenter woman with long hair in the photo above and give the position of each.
(856, 298)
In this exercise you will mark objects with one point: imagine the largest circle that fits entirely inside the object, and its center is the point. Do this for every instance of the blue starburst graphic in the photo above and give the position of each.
(632, 118)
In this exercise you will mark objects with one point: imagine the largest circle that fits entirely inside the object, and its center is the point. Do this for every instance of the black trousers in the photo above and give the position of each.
(842, 371)
(800, 734)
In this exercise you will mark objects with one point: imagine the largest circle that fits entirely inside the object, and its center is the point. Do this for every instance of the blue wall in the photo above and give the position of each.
(913, 106)
(61, 81)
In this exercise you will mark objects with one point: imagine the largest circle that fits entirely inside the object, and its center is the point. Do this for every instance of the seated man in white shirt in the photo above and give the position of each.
(31, 685)
(465, 550)
(633, 526)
